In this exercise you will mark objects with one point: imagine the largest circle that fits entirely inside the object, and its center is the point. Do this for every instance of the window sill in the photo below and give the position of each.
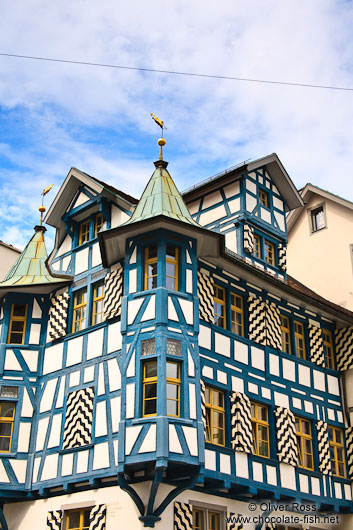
(75, 449)
(150, 419)
(139, 294)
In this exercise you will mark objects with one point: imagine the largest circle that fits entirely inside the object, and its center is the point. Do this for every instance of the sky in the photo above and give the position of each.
(54, 116)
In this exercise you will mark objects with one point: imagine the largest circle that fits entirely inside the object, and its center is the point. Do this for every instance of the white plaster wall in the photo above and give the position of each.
(122, 512)
(322, 260)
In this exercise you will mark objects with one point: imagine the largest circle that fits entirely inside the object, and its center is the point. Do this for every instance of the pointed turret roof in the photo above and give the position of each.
(31, 272)
(161, 197)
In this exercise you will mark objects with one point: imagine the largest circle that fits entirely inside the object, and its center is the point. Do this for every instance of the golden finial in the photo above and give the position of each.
(161, 142)
(42, 208)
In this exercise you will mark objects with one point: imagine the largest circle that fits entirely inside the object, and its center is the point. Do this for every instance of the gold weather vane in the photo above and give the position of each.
(161, 142)
(42, 208)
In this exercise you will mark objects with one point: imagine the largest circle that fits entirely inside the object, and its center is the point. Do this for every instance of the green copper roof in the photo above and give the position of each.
(30, 268)
(161, 197)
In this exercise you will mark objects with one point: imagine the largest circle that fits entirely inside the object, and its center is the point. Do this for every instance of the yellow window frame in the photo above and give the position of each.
(7, 420)
(285, 330)
(257, 246)
(145, 382)
(328, 347)
(302, 436)
(218, 290)
(176, 382)
(239, 310)
(98, 223)
(257, 422)
(84, 232)
(17, 319)
(299, 334)
(149, 261)
(335, 447)
(221, 410)
(174, 261)
(95, 300)
(263, 196)
(269, 252)
(77, 308)
(216, 516)
(200, 513)
(82, 514)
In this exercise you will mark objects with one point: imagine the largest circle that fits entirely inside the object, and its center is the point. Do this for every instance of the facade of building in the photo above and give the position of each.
(322, 230)
(8, 256)
(160, 368)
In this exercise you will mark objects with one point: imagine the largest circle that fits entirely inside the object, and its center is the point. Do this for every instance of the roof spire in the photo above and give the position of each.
(42, 208)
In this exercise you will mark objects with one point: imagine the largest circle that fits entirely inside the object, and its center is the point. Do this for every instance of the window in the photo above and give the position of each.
(7, 416)
(98, 223)
(78, 519)
(328, 348)
(263, 196)
(150, 268)
(257, 246)
(17, 327)
(97, 303)
(285, 330)
(337, 452)
(237, 314)
(171, 268)
(269, 252)
(149, 383)
(206, 519)
(219, 306)
(214, 402)
(260, 429)
(79, 310)
(305, 443)
(173, 389)
(318, 220)
(84, 232)
(9, 391)
(299, 339)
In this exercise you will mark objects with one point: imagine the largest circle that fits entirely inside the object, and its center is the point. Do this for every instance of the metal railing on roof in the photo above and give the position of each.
(214, 177)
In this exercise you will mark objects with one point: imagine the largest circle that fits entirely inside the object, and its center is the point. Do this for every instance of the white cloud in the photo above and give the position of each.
(57, 115)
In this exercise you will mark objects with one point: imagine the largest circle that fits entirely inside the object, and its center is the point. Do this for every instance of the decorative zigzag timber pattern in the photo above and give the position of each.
(183, 519)
(233, 525)
(203, 404)
(78, 420)
(54, 520)
(286, 438)
(323, 447)
(97, 517)
(344, 348)
(113, 294)
(349, 447)
(257, 320)
(205, 290)
(282, 256)
(248, 239)
(58, 316)
(273, 326)
(240, 410)
(317, 354)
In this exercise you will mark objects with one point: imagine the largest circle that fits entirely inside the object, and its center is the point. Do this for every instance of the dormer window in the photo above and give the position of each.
(98, 223)
(17, 326)
(263, 196)
(318, 219)
(171, 268)
(84, 232)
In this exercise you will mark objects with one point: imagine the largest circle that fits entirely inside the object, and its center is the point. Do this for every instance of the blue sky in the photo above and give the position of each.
(54, 116)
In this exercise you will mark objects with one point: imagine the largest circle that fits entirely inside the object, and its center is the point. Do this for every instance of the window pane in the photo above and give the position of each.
(172, 370)
(152, 269)
(217, 398)
(9, 391)
(86, 515)
(150, 390)
(15, 338)
(7, 410)
(5, 444)
(173, 347)
(148, 347)
(19, 310)
(152, 282)
(171, 252)
(170, 283)
(151, 369)
(150, 406)
(172, 391)
(151, 252)
(172, 408)
(18, 325)
(5, 429)
(73, 520)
